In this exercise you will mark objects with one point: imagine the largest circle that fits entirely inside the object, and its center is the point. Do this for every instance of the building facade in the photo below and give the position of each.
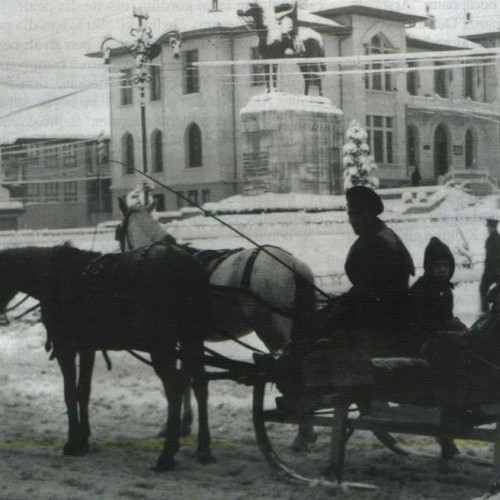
(439, 117)
(61, 182)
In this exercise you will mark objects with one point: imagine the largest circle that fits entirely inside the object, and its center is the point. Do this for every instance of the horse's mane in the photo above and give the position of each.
(67, 249)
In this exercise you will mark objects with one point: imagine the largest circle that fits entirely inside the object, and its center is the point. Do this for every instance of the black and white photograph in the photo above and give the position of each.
(250, 249)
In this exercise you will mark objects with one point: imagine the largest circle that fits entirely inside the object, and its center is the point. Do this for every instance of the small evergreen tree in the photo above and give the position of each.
(359, 166)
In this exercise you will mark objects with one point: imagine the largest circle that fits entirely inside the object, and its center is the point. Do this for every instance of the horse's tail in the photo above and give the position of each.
(304, 307)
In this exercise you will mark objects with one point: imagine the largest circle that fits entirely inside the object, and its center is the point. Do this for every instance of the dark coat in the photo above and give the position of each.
(432, 299)
(492, 261)
(491, 273)
(431, 303)
(379, 267)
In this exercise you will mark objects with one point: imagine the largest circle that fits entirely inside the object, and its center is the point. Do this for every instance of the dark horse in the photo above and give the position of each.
(301, 42)
(152, 299)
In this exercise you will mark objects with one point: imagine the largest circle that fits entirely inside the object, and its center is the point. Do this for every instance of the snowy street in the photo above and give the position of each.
(128, 408)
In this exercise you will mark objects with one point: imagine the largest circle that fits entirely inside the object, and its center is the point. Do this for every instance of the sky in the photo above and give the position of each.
(38, 37)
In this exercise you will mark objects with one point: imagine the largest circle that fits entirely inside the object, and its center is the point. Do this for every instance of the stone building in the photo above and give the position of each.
(59, 181)
(439, 116)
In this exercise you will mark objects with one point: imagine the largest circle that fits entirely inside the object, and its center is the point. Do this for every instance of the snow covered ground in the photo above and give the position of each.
(128, 407)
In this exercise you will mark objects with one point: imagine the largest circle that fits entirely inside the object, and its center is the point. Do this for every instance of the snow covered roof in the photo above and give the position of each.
(381, 8)
(278, 101)
(483, 31)
(11, 206)
(229, 19)
(203, 21)
(441, 38)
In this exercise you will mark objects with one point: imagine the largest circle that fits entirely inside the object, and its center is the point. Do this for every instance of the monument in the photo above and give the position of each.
(291, 143)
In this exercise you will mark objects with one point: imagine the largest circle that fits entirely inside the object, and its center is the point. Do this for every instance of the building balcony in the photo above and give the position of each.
(439, 104)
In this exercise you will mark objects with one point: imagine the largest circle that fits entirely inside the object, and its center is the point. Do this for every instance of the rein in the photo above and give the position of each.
(262, 248)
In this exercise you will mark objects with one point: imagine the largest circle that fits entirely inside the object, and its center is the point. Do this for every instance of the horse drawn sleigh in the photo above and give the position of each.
(311, 383)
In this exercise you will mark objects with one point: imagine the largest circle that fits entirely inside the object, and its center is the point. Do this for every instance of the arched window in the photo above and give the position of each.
(128, 156)
(376, 78)
(441, 150)
(194, 146)
(470, 149)
(157, 151)
(412, 146)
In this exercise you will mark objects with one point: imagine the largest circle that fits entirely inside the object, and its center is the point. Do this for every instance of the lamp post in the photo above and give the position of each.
(143, 52)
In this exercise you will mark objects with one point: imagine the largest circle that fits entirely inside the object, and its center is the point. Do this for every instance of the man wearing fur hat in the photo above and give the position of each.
(491, 273)
(378, 265)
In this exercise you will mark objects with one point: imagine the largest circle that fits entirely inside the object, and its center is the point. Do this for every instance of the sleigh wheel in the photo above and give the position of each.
(276, 429)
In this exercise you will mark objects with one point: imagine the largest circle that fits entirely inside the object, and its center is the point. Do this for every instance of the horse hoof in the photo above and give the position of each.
(75, 450)
(164, 464)
(448, 449)
(299, 445)
(302, 442)
(205, 458)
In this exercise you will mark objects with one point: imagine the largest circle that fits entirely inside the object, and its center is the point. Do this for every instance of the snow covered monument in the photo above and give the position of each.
(290, 142)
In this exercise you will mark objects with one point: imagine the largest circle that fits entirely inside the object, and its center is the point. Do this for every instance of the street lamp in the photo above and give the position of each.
(143, 52)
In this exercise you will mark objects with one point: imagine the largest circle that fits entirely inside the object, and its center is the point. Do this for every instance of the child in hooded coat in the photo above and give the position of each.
(432, 294)
(432, 311)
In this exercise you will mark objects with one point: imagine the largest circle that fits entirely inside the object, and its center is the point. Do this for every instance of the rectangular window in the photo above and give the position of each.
(180, 201)
(469, 82)
(380, 138)
(191, 75)
(51, 157)
(412, 83)
(205, 196)
(155, 83)
(441, 81)
(126, 87)
(193, 196)
(377, 77)
(51, 191)
(69, 155)
(70, 192)
(258, 70)
(32, 193)
(160, 202)
(89, 159)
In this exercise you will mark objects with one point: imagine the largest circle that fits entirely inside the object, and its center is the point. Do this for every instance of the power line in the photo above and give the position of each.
(375, 71)
(52, 100)
(362, 59)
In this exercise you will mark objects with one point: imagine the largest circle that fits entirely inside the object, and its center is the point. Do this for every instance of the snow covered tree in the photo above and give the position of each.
(359, 166)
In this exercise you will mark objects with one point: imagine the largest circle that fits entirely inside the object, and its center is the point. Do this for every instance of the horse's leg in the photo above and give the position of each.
(87, 359)
(187, 413)
(203, 453)
(67, 364)
(320, 86)
(267, 76)
(174, 384)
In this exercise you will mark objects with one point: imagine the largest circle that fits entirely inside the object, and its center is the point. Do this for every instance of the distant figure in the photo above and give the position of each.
(416, 178)
(491, 273)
